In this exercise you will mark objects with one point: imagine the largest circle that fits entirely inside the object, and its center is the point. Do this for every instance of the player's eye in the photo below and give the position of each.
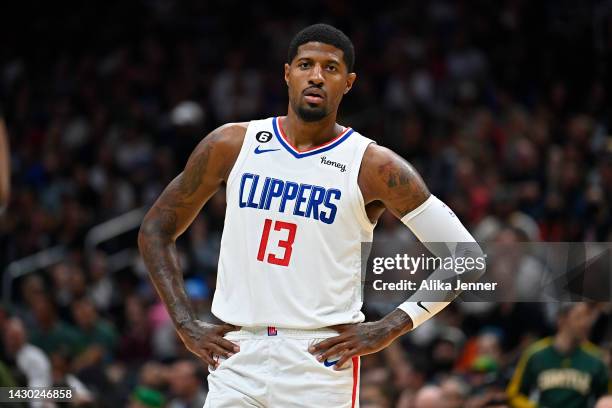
(304, 65)
(332, 68)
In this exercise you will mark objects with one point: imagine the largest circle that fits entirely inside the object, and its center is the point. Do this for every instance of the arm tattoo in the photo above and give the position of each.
(394, 176)
(166, 222)
(159, 253)
(405, 189)
(397, 322)
(161, 259)
(192, 176)
(159, 229)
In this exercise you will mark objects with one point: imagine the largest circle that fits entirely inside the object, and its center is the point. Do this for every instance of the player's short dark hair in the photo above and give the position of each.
(324, 33)
(564, 308)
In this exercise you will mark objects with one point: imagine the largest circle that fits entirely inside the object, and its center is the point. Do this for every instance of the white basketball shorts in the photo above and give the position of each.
(274, 369)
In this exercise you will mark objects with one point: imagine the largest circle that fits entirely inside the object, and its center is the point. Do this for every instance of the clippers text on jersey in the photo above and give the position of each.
(305, 200)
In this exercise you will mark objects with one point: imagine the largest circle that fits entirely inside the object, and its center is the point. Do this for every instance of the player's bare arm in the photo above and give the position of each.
(5, 168)
(206, 171)
(386, 181)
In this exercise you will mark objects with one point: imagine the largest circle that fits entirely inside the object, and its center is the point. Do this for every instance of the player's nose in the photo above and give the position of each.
(316, 75)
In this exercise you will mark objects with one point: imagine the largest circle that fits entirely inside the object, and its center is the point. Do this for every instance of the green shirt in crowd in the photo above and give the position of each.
(547, 378)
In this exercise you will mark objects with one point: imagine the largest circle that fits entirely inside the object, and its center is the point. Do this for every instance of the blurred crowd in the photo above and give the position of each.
(503, 107)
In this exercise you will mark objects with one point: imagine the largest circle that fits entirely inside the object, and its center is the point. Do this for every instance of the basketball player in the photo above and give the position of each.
(303, 192)
(5, 166)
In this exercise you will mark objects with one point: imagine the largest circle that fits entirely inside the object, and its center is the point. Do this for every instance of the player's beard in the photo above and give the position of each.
(309, 113)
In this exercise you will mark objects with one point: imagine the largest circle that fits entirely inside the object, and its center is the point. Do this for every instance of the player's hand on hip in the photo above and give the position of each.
(206, 341)
(353, 340)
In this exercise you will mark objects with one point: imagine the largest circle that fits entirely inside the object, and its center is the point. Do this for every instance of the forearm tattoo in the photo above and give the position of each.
(159, 230)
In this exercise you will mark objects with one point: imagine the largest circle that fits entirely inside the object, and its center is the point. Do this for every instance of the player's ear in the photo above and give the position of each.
(350, 80)
(287, 67)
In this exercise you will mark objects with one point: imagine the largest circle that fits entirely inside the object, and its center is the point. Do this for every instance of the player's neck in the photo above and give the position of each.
(304, 135)
(564, 342)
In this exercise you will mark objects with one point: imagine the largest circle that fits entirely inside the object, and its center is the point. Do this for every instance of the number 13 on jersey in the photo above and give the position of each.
(286, 244)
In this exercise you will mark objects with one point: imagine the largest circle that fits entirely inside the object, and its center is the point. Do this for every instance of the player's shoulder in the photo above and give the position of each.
(592, 350)
(231, 131)
(379, 163)
(226, 138)
(377, 154)
(220, 148)
(538, 347)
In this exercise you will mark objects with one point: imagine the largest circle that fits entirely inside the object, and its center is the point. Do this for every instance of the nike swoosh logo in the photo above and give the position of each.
(329, 363)
(260, 151)
(420, 304)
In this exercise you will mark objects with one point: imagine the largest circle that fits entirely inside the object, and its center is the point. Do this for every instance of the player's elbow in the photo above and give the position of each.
(142, 238)
(151, 233)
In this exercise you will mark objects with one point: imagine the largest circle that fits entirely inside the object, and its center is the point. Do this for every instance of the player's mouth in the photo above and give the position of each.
(314, 95)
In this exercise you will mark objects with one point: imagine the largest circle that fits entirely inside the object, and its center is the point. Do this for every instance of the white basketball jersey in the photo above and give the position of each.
(291, 247)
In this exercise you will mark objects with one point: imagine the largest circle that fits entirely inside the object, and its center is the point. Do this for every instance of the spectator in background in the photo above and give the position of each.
(566, 370)
(153, 375)
(6, 376)
(69, 283)
(102, 288)
(77, 282)
(165, 340)
(29, 359)
(135, 343)
(406, 399)
(373, 396)
(143, 397)
(32, 287)
(48, 331)
(97, 337)
(186, 380)
(444, 353)
(236, 90)
(430, 396)
(455, 392)
(134, 151)
(62, 377)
